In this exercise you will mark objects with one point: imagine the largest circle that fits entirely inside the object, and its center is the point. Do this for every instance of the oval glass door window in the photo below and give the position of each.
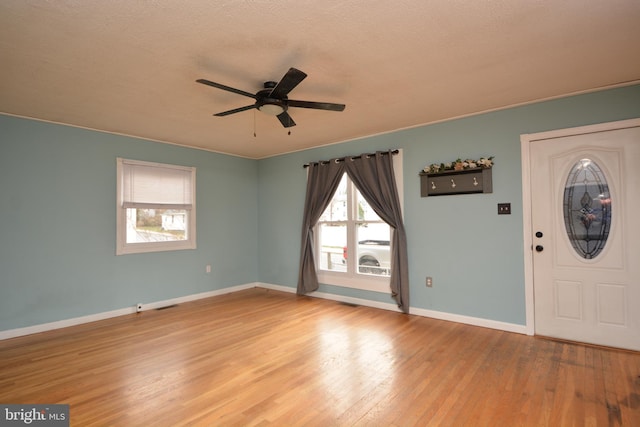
(587, 208)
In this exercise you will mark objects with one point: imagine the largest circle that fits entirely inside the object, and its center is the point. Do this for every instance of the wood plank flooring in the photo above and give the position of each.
(265, 358)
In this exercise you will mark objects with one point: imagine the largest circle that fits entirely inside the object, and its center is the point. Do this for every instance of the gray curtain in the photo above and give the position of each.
(322, 181)
(374, 177)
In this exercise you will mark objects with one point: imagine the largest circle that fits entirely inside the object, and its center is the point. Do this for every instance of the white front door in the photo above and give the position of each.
(585, 234)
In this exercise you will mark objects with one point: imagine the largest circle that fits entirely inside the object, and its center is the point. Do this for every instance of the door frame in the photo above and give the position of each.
(526, 141)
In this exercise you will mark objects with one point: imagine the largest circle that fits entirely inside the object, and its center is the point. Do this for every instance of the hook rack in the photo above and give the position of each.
(467, 181)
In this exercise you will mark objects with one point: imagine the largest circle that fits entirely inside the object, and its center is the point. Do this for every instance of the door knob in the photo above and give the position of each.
(539, 248)
(539, 234)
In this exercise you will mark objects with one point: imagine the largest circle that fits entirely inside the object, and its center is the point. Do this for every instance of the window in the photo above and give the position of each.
(156, 207)
(353, 242)
(587, 208)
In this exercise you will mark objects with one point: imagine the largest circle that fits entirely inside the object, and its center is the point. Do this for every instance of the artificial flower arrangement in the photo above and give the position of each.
(458, 165)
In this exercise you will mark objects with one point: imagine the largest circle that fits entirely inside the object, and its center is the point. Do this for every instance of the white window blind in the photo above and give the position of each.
(152, 185)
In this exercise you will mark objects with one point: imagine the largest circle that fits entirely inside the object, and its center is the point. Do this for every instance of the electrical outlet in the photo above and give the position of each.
(429, 282)
(208, 268)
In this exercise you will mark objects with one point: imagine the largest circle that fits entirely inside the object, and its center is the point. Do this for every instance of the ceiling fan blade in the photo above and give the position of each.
(288, 82)
(236, 110)
(316, 105)
(227, 88)
(286, 120)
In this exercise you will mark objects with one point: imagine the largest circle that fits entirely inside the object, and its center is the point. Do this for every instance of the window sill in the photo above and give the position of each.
(138, 248)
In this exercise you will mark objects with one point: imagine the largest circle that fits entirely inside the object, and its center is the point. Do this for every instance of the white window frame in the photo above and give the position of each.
(351, 278)
(122, 247)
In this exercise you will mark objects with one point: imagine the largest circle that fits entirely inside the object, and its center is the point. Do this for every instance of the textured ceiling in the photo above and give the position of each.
(130, 67)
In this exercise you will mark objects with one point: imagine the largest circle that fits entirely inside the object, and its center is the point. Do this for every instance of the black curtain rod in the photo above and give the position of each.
(341, 159)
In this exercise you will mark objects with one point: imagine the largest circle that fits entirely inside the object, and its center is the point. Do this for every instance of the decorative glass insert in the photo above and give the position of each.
(587, 208)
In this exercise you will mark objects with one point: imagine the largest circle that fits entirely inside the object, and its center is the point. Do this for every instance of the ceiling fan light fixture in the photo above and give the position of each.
(272, 109)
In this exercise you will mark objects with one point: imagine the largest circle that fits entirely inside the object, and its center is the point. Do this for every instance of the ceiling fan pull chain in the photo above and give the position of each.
(254, 123)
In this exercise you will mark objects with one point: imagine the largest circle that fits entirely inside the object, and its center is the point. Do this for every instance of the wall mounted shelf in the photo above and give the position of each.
(447, 183)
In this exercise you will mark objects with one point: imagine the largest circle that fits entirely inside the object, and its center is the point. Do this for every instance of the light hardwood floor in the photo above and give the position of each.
(266, 358)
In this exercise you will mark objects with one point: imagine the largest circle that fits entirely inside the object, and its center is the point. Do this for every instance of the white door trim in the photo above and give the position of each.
(527, 225)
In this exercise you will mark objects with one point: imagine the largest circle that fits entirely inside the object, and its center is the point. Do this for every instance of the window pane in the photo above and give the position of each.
(374, 250)
(337, 209)
(156, 225)
(333, 243)
(365, 211)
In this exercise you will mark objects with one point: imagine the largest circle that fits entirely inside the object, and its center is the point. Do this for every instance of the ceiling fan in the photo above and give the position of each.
(273, 99)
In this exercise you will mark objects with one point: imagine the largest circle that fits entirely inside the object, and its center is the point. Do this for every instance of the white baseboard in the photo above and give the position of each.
(280, 288)
(187, 298)
(475, 321)
(35, 329)
(44, 327)
(333, 297)
(467, 320)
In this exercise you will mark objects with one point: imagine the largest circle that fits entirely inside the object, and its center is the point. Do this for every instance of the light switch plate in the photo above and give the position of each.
(504, 208)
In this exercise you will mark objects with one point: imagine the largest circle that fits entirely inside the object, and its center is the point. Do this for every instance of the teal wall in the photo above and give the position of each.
(57, 216)
(474, 256)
